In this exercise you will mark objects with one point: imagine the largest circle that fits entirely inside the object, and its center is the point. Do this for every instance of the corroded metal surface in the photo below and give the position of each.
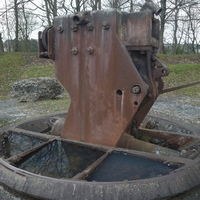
(106, 61)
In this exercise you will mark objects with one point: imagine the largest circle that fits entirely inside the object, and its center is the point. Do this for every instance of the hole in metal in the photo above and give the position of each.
(119, 92)
(76, 19)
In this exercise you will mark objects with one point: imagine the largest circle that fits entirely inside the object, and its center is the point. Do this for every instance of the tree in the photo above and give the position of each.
(162, 25)
(117, 4)
(95, 4)
(177, 16)
(78, 5)
(6, 24)
(193, 13)
(16, 13)
(51, 10)
(1, 44)
(27, 22)
(179, 19)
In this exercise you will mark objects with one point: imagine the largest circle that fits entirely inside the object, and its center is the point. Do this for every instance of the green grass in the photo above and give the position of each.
(10, 70)
(16, 66)
(3, 124)
(38, 71)
(170, 59)
(181, 74)
(48, 106)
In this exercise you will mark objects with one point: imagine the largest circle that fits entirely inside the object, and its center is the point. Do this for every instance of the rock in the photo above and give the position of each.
(35, 89)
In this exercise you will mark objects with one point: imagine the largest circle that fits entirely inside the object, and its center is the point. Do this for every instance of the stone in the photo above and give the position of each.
(35, 89)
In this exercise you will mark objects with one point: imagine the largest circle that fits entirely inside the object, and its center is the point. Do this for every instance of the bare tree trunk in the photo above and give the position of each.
(78, 7)
(115, 4)
(48, 13)
(192, 28)
(26, 37)
(99, 5)
(95, 4)
(192, 11)
(8, 45)
(16, 44)
(175, 29)
(1, 44)
(131, 6)
(162, 26)
(55, 8)
(180, 39)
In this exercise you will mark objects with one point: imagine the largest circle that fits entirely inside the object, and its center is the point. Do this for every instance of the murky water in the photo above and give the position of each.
(120, 166)
(61, 160)
(19, 142)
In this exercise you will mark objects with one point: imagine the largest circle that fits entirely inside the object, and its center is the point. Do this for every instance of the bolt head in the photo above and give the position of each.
(106, 25)
(74, 51)
(90, 50)
(89, 27)
(74, 28)
(136, 89)
(60, 28)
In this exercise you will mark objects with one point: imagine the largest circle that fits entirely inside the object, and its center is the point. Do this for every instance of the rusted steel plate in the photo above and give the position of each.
(137, 30)
(168, 138)
(106, 61)
(96, 69)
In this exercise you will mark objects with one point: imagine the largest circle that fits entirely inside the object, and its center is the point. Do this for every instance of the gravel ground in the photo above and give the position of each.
(176, 107)
(180, 108)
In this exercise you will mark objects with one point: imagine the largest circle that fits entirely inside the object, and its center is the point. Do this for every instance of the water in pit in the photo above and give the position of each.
(19, 142)
(121, 166)
(61, 160)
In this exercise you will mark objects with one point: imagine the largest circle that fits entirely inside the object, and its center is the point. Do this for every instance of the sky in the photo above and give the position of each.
(34, 34)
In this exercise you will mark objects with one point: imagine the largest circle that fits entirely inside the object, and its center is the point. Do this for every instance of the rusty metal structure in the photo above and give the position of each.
(106, 61)
(106, 146)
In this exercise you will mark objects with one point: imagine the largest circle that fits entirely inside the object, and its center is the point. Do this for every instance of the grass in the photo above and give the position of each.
(48, 106)
(170, 59)
(16, 66)
(38, 71)
(181, 74)
(10, 70)
(3, 123)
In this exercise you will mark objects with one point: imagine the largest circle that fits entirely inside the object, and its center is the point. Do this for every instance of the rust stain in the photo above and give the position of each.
(106, 62)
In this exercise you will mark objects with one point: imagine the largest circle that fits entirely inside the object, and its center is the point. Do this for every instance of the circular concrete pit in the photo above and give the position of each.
(163, 162)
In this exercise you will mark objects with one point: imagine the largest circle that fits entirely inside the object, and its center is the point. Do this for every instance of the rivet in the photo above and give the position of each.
(106, 25)
(136, 89)
(89, 26)
(90, 50)
(60, 29)
(74, 28)
(74, 51)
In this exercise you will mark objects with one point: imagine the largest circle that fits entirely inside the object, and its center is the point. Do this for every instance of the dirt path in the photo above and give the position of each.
(180, 108)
